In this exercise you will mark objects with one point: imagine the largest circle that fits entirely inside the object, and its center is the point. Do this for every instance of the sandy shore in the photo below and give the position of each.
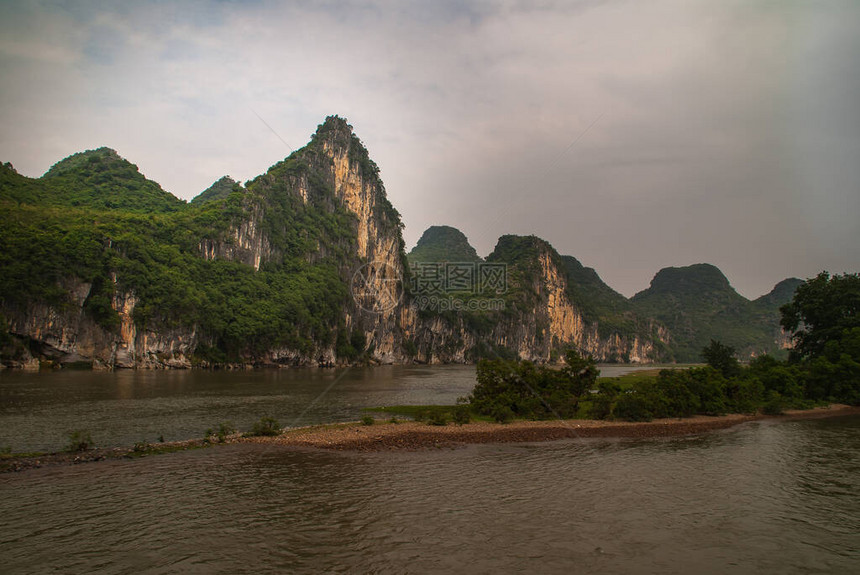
(416, 436)
(413, 436)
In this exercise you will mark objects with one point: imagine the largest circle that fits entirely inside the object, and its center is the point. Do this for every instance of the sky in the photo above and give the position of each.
(632, 135)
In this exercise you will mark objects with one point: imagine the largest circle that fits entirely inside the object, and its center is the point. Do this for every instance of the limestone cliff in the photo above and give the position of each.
(304, 265)
(544, 320)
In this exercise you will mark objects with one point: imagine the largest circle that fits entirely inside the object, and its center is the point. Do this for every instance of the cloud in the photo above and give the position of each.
(631, 135)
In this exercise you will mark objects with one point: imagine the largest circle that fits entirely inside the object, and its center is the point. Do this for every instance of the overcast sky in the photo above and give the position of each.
(632, 135)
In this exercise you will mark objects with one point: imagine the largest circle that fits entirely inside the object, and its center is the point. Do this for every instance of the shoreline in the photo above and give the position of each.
(418, 436)
(415, 436)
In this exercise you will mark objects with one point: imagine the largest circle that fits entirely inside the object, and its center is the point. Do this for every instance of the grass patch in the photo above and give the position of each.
(434, 414)
(12, 455)
(79, 440)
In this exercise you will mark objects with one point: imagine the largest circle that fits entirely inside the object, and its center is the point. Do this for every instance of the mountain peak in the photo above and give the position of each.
(102, 179)
(217, 191)
(781, 293)
(443, 244)
(694, 278)
(87, 158)
(335, 132)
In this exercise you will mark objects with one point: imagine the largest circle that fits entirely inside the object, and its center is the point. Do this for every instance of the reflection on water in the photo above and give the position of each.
(762, 498)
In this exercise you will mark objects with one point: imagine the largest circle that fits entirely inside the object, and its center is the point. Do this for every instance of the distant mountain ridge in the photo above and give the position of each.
(102, 267)
(695, 303)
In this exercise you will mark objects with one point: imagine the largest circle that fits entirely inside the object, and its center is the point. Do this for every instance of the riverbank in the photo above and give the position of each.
(416, 436)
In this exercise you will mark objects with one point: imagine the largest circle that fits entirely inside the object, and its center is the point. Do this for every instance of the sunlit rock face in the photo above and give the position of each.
(334, 176)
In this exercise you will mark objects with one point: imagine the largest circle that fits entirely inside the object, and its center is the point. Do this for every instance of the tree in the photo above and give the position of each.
(825, 326)
(722, 358)
(534, 391)
(824, 309)
(581, 372)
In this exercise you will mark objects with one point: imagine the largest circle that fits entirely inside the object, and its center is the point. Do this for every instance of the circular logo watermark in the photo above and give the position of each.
(375, 287)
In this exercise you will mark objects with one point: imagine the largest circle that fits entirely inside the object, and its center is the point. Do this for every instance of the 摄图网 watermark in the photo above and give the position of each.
(378, 287)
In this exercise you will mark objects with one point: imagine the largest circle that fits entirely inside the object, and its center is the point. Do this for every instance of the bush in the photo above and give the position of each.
(745, 395)
(368, 420)
(266, 427)
(601, 406)
(225, 429)
(438, 418)
(79, 440)
(462, 414)
(502, 413)
(632, 406)
(533, 391)
(773, 404)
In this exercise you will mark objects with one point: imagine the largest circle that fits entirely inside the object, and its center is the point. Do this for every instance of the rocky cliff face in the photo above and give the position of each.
(553, 322)
(244, 242)
(69, 337)
(331, 180)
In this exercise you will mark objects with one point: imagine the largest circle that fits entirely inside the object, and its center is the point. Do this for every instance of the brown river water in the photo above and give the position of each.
(764, 497)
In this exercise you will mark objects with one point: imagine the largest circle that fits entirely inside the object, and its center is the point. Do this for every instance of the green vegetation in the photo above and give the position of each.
(368, 420)
(97, 179)
(79, 440)
(509, 389)
(600, 304)
(432, 414)
(824, 319)
(93, 219)
(722, 358)
(824, 367)
(220, 190)
(443, 244)
(225, 429)
(266, 427)
(698, 304)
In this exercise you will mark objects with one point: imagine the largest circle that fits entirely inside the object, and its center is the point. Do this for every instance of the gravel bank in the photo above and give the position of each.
(416, 436)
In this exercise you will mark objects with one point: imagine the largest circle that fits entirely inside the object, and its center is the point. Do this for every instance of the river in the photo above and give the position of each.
(764, 497)
(120, 408)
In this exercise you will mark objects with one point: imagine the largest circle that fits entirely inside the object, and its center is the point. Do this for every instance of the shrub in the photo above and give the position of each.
(745, 395)
(462, 414)
(224, 429)
(773, 404)
(438, 418)
(79, 440)
(533, 391)
(502, 413)
(368, 420)
(601, 406)
(632, 406)
(266, 427)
